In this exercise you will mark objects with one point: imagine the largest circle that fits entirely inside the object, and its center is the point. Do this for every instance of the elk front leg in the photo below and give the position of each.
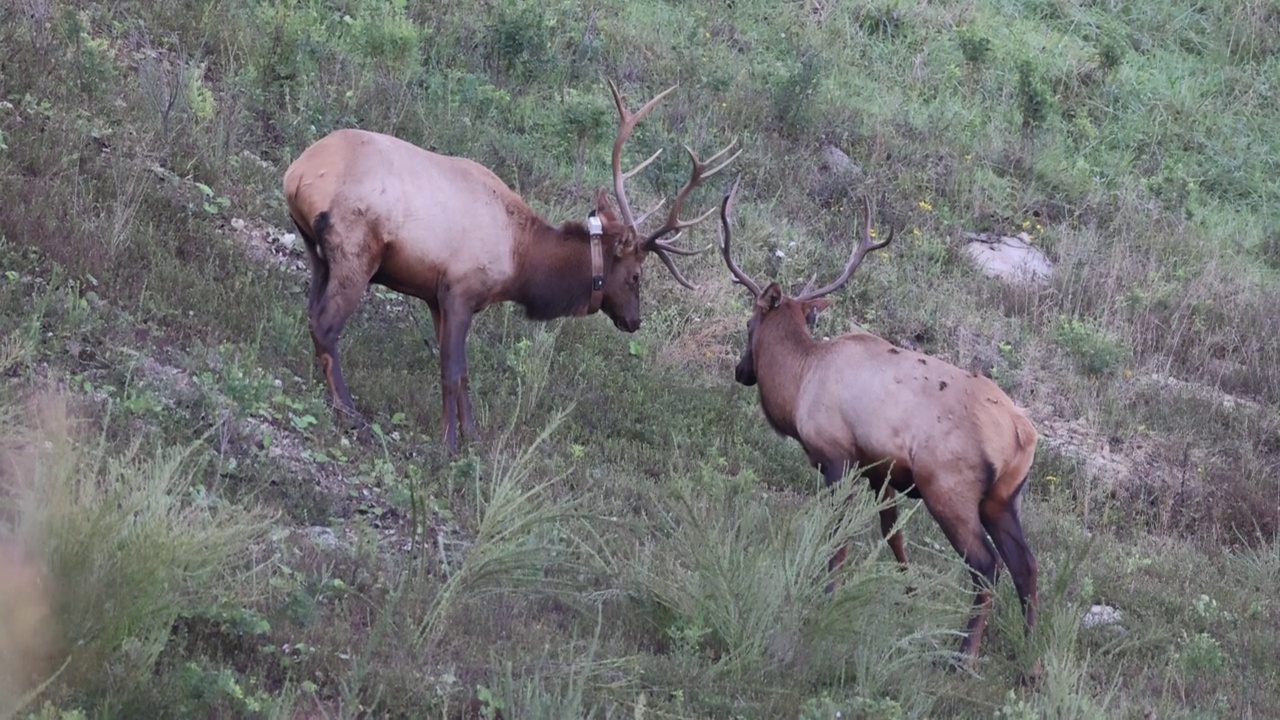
(453, 371)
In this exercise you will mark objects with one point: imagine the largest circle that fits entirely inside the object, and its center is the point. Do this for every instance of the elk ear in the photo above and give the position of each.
(813, 307)
(625, 245)
(770, 298)
(604, 207)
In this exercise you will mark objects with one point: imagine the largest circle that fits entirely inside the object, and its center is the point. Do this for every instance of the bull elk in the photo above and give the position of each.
(375, 209)
(914, 423)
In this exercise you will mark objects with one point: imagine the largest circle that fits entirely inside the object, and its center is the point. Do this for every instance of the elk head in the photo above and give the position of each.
(619, 288)
(775, 309)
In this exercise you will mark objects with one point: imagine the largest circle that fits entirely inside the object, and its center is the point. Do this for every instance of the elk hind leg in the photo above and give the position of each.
(833, 471)
(1000, 518)
(328, 315)
(961, 524)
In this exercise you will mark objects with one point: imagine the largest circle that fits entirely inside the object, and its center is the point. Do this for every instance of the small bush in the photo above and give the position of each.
(1111, 50)
(1095, 351)
(794, 92)
(385, 37)
(519, 39)
(884, 19)
(1035, 99)
(1268, 250)
(974, 46)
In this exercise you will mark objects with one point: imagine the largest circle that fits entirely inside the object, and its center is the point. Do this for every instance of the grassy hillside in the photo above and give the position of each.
(184, 532)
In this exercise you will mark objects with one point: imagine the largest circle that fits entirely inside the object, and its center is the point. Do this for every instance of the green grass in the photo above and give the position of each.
(627, 537)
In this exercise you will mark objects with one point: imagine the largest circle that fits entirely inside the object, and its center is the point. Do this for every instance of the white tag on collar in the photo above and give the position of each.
(594, 226)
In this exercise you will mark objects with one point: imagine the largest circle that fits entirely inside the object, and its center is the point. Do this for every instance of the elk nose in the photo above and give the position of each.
(628, 324)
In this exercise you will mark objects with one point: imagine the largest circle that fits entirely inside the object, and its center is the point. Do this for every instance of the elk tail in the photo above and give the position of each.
(1024, 433)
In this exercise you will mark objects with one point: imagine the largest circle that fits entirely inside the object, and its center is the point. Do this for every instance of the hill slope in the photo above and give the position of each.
(628, 535)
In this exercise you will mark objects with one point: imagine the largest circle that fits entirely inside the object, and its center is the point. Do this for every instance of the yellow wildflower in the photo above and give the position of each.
(925, 206)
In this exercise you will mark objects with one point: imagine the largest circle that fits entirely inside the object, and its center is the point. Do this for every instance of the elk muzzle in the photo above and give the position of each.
(745, 371)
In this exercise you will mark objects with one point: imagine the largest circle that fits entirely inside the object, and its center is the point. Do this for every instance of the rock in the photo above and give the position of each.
(1008, 258)
(324, 538)
(1104, 616)
(237, 223)
(288, 239)
(837, 161)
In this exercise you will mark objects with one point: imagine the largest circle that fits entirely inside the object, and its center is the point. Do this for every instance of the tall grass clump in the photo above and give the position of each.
(526, 539)
(120, 543)
(741, 585)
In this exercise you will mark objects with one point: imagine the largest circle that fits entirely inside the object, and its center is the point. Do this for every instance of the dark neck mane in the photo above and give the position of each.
(780, 360)
(555, 271)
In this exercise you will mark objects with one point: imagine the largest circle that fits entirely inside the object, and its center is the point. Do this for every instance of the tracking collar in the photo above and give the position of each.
(596, 230)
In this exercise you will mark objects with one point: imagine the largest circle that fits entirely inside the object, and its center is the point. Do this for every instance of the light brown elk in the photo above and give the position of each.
(373, 208)
(914, 424)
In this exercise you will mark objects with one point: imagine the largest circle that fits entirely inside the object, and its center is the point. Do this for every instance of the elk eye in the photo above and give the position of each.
(635, 278)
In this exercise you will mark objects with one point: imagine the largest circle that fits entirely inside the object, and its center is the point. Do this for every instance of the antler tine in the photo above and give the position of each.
(865, 245)
(666, 246)
(627, 123)
(726, 207)
(809, 284)
(636, 170)
(640, 220)
(698, 174)
(675, 271)
(715, 158)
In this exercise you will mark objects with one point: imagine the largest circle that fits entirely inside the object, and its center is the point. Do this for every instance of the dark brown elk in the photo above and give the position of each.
(912, 422)
(375, 209)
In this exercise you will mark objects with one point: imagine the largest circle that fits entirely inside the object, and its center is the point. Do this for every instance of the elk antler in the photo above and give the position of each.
(726, 206)
(653, 241)
(627, 123)
(673, 222)
(864, 246)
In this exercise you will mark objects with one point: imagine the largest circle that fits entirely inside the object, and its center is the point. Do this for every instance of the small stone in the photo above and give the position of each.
(1104, 616)
(237, 223)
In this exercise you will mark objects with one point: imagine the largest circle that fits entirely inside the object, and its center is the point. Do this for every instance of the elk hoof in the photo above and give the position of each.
(364, 432)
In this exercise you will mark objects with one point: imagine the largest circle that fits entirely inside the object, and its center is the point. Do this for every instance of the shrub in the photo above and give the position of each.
(794, 92)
